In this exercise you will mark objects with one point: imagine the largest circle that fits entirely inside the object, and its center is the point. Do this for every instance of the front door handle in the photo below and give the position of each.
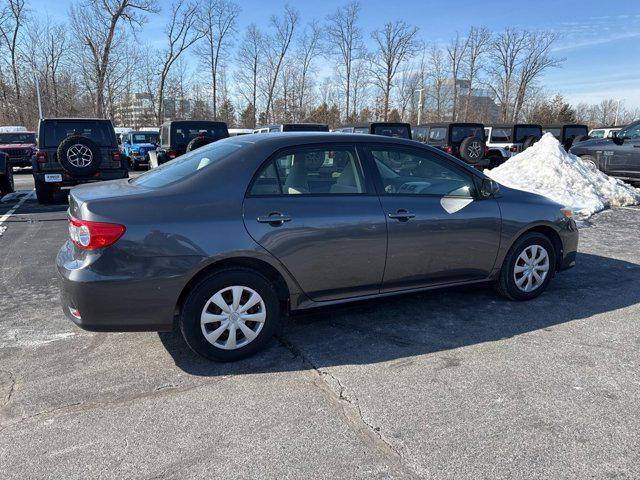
(274, 219)
(402, 215)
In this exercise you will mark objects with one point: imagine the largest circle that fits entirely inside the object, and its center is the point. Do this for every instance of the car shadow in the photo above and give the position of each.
(404, 326)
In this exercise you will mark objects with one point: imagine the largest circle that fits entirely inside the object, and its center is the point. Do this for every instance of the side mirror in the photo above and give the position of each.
(488, 189)
(617, 140)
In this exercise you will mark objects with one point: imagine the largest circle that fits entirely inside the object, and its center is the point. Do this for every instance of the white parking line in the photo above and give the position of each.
(7, 215)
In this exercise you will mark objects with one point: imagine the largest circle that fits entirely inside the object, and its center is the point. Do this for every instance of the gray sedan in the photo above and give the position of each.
(224, 240)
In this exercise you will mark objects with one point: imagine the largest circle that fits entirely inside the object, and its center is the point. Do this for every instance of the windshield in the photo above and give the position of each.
(524, 132)
(147, 137)
(397, 131)
(632, 131)
(186, 165)
(460, 132)
(501, 135)
(17, 138)
(182, 134)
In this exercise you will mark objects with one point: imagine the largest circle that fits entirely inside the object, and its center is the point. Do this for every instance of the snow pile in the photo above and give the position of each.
(547, 169)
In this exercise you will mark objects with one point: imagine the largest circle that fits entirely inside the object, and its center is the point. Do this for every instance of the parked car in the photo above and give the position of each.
(465, 141)
(72, 151)
(136, 147)
(19, 147)
(180, 136)
(618, 156)
(504, 141)
(6, 175)
(292, 127)
(567, 134)
(234, 132)
(231, 236)
(604, 132)
(386, 129)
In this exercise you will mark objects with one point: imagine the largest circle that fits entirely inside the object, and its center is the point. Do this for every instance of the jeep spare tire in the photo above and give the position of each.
(79, 155)
(528, 141)
(198, 142)
(472, 150)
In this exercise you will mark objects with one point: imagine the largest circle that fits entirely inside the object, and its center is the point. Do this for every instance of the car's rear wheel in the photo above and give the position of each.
(44, 192)
(229, 315)
(528, 267)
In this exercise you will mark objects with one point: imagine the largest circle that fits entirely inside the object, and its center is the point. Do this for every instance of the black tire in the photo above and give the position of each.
(198, 142)
(64, 153)
(7, 184)
(591, 161)
(472, 150)
(506, 284)
(44, 193)
(199, 296)
(529, 141)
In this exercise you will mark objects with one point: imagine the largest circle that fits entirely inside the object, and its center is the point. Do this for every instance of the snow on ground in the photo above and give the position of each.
(547, 169)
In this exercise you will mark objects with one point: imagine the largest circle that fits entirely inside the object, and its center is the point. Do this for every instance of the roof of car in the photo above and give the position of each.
(561, 125)
(447, 124)
(511, 125)
(194, 121)
(74, 119)
(291, 138)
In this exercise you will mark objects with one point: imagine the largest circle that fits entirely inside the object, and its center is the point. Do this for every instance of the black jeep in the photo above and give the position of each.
(6, 175)
(71, 151)
(465, 141)
(180, 136)
(618, 156)
(568, 134)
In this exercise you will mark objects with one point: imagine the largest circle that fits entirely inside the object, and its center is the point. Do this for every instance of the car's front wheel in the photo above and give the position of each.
(590, 161)
(528, 267)
(230, 315)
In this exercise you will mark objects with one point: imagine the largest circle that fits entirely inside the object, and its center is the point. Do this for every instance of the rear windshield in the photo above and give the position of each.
(100, 132)
(553, 131)
(397, 131)
(182, 134)
(460, 132)
(17, 138)
(292, 127)
(596, 134)
(186, 165)
(146, 137)
(420, 134)
(437, 134)
(360, 130)
(501, 135)
(524, 132)
(572, 132)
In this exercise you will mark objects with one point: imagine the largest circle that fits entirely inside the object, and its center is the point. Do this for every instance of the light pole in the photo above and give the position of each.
(615, 124)
(35, 79)
(420, 104)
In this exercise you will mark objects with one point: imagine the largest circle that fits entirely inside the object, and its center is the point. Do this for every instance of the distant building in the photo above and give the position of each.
(135, 110)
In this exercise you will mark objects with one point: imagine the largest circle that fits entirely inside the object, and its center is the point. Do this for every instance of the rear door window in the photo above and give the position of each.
(501, 135)
(311, 171)
(437, 134)
(397, 131)
(100, 132)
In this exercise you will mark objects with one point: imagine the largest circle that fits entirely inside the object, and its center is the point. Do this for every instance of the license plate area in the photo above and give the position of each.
(52, 177)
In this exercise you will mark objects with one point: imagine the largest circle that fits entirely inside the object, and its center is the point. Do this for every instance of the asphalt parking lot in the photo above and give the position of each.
(446, 384)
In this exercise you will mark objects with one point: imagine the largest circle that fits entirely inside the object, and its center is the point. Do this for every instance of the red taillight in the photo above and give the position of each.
(171, 154)
(91, 235)
(115, 156)
(513, 148)
(41, 157)
(448, 149)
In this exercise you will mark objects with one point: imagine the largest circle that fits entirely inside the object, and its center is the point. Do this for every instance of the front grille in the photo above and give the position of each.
(16, 152)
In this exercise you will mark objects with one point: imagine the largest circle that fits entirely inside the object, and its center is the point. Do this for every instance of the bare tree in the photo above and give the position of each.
(181, 34)
(438, 91)
(345, 41)
(478, 40)
(307, 51)
(456, 50)
(13, 19)
(395, 43)
(536, 58)
(278, 46)
(217, 23)
(359, 86)
(249, 55)
(97, 23)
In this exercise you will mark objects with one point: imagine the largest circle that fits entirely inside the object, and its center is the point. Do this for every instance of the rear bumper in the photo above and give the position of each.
(141, 297)
(70, 181)
(20, 161)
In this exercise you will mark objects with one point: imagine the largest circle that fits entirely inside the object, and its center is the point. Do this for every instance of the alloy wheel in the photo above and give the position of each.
(79, 155)
(474, 150)
(531, 268)
(233, 317)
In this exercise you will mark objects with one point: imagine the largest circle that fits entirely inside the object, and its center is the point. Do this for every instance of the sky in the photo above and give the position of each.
(600, 40)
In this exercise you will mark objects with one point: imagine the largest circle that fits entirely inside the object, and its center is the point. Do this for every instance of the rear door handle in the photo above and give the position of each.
(402, 215)
(274, 218)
